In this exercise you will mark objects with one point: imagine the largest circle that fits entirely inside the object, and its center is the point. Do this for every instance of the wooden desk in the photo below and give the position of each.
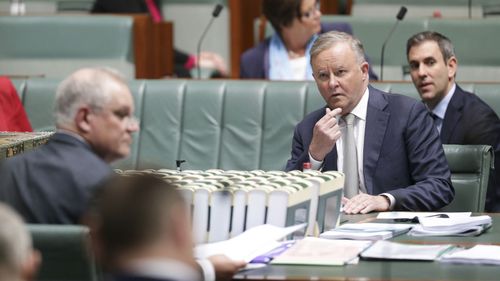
(391, 270)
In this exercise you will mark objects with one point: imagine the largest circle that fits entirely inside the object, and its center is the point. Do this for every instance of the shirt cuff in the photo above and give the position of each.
(392, 200)
(315, 164)
(207, 269)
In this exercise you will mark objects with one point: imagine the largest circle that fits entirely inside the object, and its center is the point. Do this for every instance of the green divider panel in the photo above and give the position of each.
(476, 41)
(489, 93)
(314, 100)
(283, 109)
(161, 124)
(202, 123)
(242, 130)
(39, 103)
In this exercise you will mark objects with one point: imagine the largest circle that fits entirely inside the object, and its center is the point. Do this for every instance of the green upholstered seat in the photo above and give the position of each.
(54, 46)
(65, 252)
(470, 169)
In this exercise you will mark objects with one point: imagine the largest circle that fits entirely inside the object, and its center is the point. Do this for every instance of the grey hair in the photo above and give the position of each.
(15, 241)
(326, 40)
(445, 45)
(88, 86)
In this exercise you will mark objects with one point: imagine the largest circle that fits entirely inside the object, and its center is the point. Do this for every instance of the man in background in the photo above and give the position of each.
(460, 117)
(18, 260)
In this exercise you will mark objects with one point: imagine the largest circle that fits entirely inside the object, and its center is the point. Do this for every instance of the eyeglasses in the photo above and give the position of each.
(128, 120)
(311, 12)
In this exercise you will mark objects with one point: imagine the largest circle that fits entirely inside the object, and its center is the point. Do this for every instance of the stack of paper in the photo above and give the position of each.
(366, 231)
(317, 251)
(480, 254)
(432, 226)
(399, 251)
(249, 244)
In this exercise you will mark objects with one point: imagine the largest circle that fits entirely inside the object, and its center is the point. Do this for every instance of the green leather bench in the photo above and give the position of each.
(53, 46)
(66, 253)
(228, 124)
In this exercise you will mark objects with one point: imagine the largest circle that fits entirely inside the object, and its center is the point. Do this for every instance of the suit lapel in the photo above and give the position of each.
(452, 116)
(376, 124)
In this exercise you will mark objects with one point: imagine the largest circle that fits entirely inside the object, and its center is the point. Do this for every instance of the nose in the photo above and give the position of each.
(332, 82)
(422, 70)
(132, 124)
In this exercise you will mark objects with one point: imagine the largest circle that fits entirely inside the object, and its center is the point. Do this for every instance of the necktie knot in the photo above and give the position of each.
(349, 119)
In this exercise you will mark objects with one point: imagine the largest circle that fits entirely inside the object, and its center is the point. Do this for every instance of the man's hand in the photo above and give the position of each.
(225, 267)
(364, 203)
(325, 133)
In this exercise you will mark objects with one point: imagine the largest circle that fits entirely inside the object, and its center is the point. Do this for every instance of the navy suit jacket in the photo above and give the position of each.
(255, 61)
(469, 120)
(403, 155)
(53, 183)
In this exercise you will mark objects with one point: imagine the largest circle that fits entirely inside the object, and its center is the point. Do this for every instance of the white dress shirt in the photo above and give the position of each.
(164, 269)
(440, 109)
(359, 125)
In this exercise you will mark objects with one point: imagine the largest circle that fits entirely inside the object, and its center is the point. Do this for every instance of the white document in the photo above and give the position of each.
(366, 231)
(470, 226)
(411, 215)
(399, 251)
(317, 251)
(479, 254)
(248, 245)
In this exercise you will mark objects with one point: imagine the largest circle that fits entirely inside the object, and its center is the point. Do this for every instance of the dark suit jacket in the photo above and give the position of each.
(469, 120)
(403, 155)
(255, 61)
(53, 183)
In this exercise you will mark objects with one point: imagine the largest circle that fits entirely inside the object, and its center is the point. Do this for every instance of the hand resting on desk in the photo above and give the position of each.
(364, 203)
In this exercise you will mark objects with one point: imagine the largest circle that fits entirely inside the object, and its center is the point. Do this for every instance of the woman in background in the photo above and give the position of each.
(285, 55)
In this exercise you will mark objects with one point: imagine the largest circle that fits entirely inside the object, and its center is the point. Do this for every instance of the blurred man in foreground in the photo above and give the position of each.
(141, 230)
(18, 260)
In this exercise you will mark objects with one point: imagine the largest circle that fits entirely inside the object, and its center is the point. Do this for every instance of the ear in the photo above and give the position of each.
(364, 69)
(82, 119)
(452, 65)
(30, 266)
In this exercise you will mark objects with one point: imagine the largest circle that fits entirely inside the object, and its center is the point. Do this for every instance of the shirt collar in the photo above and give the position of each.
(440, 109)
(361, 108)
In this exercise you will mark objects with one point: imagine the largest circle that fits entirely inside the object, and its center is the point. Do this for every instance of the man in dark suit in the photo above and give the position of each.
(461, 117)
(401, 161)
(141, 230)
(94, 120)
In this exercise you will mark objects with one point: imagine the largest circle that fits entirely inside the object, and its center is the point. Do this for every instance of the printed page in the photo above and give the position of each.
(317, 251)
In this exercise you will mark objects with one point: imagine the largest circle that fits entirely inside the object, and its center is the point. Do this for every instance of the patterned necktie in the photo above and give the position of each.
(351, 185)
(153, 10)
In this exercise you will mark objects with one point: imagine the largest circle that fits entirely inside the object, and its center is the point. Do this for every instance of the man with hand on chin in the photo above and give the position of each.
(385, 144)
